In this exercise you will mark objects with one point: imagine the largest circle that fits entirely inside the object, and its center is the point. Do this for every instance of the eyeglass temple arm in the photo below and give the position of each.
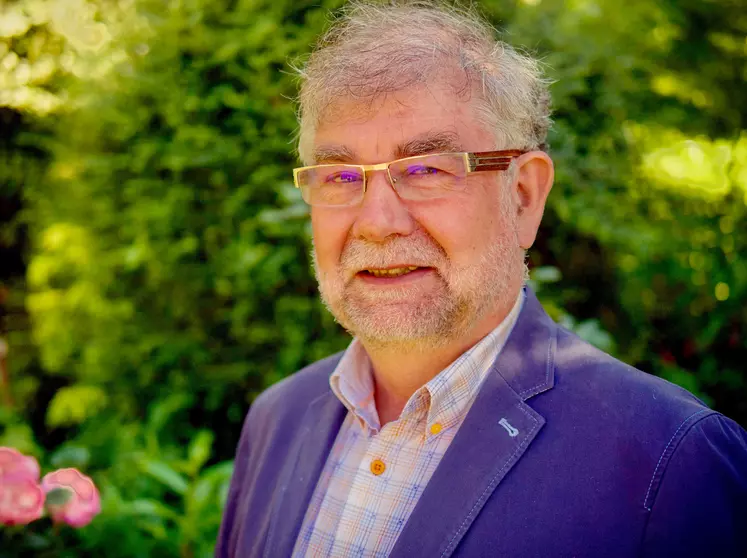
(492, 160)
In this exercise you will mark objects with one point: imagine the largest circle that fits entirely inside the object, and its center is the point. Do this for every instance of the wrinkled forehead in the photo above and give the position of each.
(369, 88)
(426, 118)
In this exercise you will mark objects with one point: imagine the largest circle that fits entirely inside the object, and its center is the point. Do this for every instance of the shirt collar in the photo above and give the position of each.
(447, 396)
(352, 383)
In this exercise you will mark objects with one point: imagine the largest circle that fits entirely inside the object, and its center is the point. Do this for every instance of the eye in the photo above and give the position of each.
(344, 177)
(422, 170)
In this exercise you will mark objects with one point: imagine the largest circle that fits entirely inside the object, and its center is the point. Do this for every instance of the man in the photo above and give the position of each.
(461, 421)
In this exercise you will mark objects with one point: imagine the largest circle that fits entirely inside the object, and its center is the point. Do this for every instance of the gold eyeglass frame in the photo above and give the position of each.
(474, 162)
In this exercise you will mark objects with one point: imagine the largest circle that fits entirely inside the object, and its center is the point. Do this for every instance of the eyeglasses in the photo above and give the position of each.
(414, 178)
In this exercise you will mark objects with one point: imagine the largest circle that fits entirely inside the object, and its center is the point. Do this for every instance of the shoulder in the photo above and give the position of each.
(630, 419)
(612, 392)
(296, 391)
(275, 416)
(641, 414)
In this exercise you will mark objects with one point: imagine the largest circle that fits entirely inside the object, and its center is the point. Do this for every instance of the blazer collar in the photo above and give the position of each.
(527, 361)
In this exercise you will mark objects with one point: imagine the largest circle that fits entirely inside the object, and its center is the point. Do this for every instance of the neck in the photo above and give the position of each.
(399, 371)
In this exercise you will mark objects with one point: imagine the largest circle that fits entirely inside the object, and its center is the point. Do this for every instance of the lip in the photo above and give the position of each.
(393, 266)
(416, 275)
(361, 272)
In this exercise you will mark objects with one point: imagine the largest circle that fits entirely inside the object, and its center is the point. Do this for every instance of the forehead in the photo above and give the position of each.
(423, 119)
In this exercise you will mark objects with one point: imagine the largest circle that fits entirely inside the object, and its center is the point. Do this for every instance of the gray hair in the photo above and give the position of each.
(373, 48)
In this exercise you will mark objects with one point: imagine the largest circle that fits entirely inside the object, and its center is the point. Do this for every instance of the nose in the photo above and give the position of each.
(382, 212)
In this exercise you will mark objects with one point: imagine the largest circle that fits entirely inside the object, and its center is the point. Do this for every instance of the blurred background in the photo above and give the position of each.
(154, 256)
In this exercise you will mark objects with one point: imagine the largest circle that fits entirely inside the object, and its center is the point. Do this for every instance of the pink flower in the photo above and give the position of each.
(14, 465)
(21, 501)
(21, 498)
(84, 502)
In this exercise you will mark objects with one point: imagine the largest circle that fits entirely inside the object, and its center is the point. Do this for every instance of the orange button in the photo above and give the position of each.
(377, 466)
(436, 428)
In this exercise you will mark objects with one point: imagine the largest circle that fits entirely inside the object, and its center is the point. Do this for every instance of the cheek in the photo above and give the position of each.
(330, 228)
(463, 226)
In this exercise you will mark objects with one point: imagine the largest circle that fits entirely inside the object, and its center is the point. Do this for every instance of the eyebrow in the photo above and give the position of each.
(332, 154)
(439, 142)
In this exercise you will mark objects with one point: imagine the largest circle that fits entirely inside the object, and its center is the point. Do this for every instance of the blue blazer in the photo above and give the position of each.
(603, 461)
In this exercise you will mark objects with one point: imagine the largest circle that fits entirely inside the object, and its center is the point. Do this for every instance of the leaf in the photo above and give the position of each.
(226, 52)
(35, 541)
(546, 274)
(220, 471)
(592, 331)
(210, 479)
(75, 404)
(21, 437)
(146, 506)
(200, 494)
(200, 449)
(163, 410)
(161, 413)
(155, 529)
(70, 456)
(165, 474)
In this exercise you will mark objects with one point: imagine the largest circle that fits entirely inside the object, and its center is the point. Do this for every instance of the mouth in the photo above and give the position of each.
(390, 272)
(398, 275)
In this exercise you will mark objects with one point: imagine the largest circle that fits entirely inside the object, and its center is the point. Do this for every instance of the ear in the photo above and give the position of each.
(531, 186)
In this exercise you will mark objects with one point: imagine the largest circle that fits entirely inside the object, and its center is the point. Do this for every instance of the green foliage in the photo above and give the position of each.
(74, 404)
(167, 275)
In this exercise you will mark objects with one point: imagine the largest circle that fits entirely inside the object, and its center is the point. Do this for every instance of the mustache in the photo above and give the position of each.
(422, 252)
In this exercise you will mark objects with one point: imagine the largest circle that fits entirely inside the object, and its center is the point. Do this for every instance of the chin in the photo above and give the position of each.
(430, 321)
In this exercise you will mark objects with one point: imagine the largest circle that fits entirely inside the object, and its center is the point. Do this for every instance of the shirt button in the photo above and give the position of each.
(377, 467)
(436, 428)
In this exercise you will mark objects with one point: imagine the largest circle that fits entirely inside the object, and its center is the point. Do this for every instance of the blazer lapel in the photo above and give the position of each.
(496, 433)
(298, 479)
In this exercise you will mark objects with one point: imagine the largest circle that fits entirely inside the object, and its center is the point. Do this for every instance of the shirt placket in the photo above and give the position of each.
(371, 491)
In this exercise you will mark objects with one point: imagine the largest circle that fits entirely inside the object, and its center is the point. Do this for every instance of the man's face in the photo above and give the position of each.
(464, 245)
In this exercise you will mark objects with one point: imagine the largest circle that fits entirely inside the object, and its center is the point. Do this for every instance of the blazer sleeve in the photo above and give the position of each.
(697, 501)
